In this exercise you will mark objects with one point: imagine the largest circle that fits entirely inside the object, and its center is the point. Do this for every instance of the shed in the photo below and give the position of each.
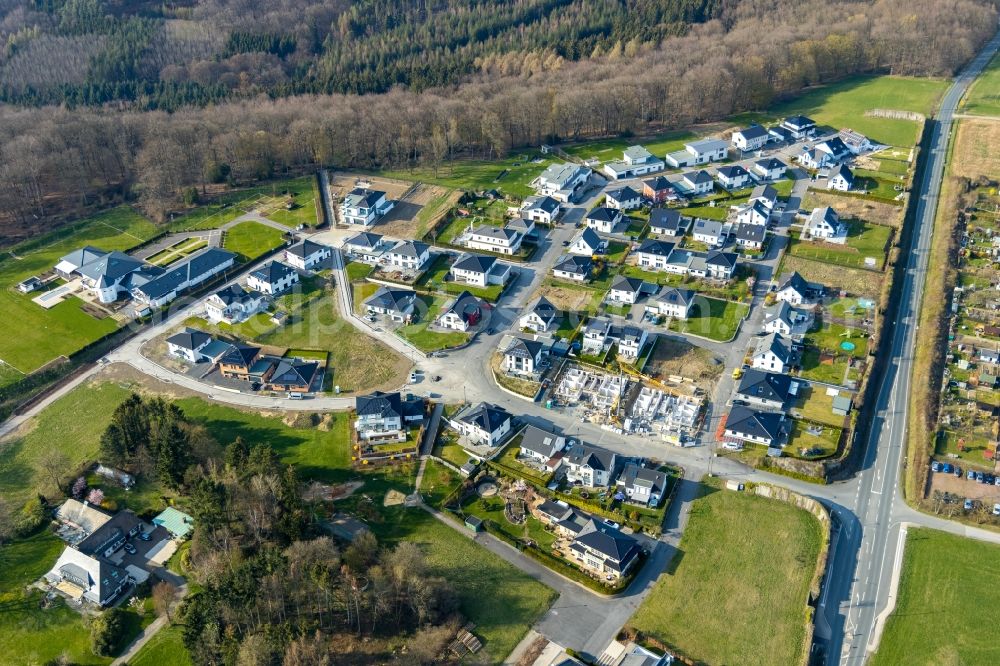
(178, 523)
(473, 523)
(842, 405)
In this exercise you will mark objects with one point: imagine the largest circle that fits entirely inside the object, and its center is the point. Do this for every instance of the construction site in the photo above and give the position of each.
(626, 403)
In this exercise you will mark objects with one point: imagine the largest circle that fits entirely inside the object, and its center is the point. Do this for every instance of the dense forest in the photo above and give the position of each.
(702, 62)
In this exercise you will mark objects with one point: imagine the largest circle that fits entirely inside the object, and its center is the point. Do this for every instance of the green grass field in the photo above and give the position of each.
(607, 150)
(948, 593)
(251, 239)
(983, 98)
(712, 318)
(844, 104)
(510, 175)
(438, 482)
(166, 648)
(426, 340)
(864, 240)
(231, 205)
(736, 592)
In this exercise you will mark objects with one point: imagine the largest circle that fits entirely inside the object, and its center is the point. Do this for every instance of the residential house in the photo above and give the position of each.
(588, 243)
(767, 389)
(668, 222)
(658, 189)
(238, 361)
(783, 318)
(409, 255)
(522, 226)
(795, 290)
(464, 312)
(709, 232)
(824, 153)
(307, 254)
(636, 161)
(779, 134)
(540, 316)
(542, 209)
(643, 485)
(720, 265)
(631, 340)
(604, 551)
(400, 305)
(625, 290)
(751, 236)
(986, 355)
(555, 512)
(595, 336)
(673, 302)
(561, 181)
(841, 179)
(733, 176)
(480, 271)
(365, 247)
(541, 446)
(824, 224)
(501, 240)
(156, 288)
(769, 168)
(273, 278)
(695, 183)
(750, 139)
(573, 267)
(381, 417)
(69, 265)
(106, 274)
(770, 429)
(484, 424)
(775, 353)
(698, 152)
(856, 142)
(623, 198)
(799, 126)
(188, 344)
(753, 213)
(653, 254)
(523, 357)
(293, 375)
(233, 304)
(604, 219)
(364, 207)
(590, 466)
(765, 195)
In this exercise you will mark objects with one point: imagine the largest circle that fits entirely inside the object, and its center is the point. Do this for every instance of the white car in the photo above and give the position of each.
(996, 509)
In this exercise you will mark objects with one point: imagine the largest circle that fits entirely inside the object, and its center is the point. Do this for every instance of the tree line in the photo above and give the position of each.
(56, 161)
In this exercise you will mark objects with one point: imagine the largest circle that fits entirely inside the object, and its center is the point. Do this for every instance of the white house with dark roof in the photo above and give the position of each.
(188, 344)
(381, 417)
(800, 127)
(409, 255)
(523, 357)
(643, 485)
(596, 336)
(623, 198)
(774, 353)
(540, 446)
(856, 142)
(709, 232)
(480, 271)
(484, 424)
(795, 290)
(750, 138)
(770, 429)
(753, 212)
(541, 208)
(784, 319)
(365, 247)
(770, 390)
(573, 267)
(720, 265)
(672, 302)
(306, 254)
(631, 340)
(841, 179)
(604, 551)
(626, 290)
(733, 176)
(778, 134)
(769, 168)
(540, 316)
(272, 278)
(463, 312)
(695, 183)
(824, 224)
(157, 288)
(561, 181)
(814, 158)
(400, 305)
(364, 207)
(604, 219)
(233, 304)
(653, 254)
(501, 240)
(766, 195)
(750, 236)
(588, 243)
(668, 222)
(590, 466)
(698, 152)
(636, 161)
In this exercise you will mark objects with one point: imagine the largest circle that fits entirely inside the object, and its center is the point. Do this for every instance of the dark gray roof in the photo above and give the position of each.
(604, 214)
(498, 233)
(629, 284)
(675, 296)
(767, 192)
(365, 239)
(611, 543)
(545, 310)
(632, 334)
(799, 121)
(732, 171)
(293, 372)
(753, 132)
(756, 423)
(771, 163)
(235, 293)
(179, 274)
(751, 232)
(780, 131)
(305, 249)
(698, 177)
(110, 267)
(120, 523)
(540, 441)
(844, 172)
(555, 510)
(486, 416)
(546, 204)
(795, 281)
(635, 475)
(656, 247)
(623, 194)
(778, 345)
(189, 338)
(665, 218)
(465, 305)
(396, 300)
(522, 348)
(658, 183)
(765, 385)
(241, 355)
(712, 227)
(364, 198)
(383, 405)
(475, 262)
(575, 264)
(599, 459)
(781, 311)
(719, 258)
(272, 272)
(590, 237)
(410, 248)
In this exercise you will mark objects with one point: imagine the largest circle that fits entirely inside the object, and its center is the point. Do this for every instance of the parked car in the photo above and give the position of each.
(946, 468)
(971, 476)
(958, 471)
(979, 477)
(935, 466)
(129, 548)
(968, 505)
(145, 536)
(996, 509)
(611, 523)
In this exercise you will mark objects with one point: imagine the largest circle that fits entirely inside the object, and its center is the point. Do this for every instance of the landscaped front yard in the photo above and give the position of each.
(712, 318)
(738, 588)
(420, 334)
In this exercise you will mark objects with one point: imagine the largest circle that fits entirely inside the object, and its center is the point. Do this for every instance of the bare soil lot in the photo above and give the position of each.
(848, 207)
(567, 298)
(854, 281)
(677, 357)
(975, 152)
(414, 214)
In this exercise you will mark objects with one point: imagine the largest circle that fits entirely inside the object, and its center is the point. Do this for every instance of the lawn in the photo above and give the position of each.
(983, 98)
(608, 150)
(34, 336)
(719, 213)
(510, 175)
(879, 184)
(830, 371)
(844, 104)
(438, 482)
(427, 340)
(304, 192)
(712, 318)
(435, 278)
(268, 198)
(814, 404)
(948, 595)
(166, 648)
(812, 441)
(864, 240)
(357, 270)
(830, 336)
(515, 601)
(854, 281)
(736, 592)
(251, 239)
